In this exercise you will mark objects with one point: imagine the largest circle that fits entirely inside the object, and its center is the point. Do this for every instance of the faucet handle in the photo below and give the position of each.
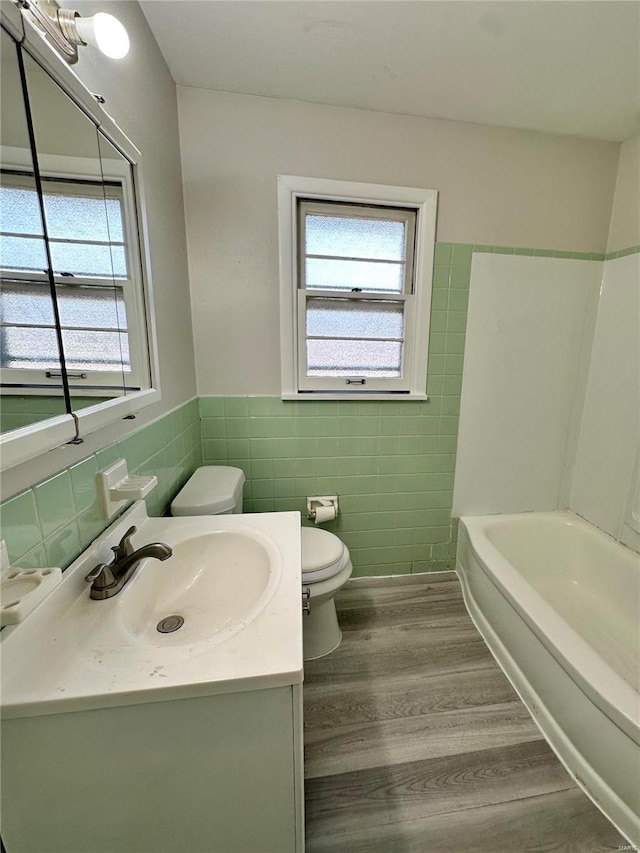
(124, 548)
(95, 571)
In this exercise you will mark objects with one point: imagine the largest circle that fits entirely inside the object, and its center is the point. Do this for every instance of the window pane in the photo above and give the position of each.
(20, 211)
(76, 217)
(354, 358)
(29, 348)
(354, 238)
(357, 319)
(84, 259)
(101, 307)
(96, 350)
(23, 253)
(26, 303)
(345, 275)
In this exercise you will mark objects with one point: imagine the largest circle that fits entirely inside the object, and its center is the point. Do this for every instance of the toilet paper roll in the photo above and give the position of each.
(325, 513)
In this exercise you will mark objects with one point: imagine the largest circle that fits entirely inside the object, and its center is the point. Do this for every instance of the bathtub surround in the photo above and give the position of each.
(528, 343)
(608, 441)
(572, 435)
(53, 521)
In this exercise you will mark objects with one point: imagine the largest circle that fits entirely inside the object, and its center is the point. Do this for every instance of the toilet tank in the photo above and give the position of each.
(211, 490)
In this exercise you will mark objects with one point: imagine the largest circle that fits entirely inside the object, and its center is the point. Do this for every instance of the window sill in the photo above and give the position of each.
(353, 395)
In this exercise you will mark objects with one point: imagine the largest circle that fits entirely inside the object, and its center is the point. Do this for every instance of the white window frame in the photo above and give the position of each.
(412, 385)
(26, 381)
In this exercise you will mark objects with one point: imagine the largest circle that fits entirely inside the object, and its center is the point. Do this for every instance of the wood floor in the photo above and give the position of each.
(415, 742)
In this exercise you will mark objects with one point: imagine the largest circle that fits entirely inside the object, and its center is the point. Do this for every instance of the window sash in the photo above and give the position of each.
(399, 384)
(364, 211)
(364, 379)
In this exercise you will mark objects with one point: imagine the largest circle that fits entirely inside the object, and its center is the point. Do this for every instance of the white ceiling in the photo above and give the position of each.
(561, 66)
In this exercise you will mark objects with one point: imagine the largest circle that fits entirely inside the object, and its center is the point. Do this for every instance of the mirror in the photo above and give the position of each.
(77, 315)
(32, 389)
(84, 226)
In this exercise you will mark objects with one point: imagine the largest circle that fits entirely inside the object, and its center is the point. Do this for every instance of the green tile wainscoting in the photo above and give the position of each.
(54, 521)
(391, 463)
(19, 410)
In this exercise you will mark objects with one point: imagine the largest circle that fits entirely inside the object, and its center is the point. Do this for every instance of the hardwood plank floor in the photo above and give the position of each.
(415, 741)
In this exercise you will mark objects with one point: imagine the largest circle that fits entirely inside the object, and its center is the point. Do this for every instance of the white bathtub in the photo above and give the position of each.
(558, 603)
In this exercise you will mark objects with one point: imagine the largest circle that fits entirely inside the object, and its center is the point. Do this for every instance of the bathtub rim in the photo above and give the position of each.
(614, 696)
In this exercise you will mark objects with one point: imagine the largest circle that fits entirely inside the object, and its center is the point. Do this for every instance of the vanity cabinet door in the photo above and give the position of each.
(214, 773)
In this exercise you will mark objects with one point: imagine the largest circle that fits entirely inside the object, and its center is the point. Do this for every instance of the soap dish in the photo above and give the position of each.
(22, 589)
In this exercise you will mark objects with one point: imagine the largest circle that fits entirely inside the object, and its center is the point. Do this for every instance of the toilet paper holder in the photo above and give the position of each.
(322, 508)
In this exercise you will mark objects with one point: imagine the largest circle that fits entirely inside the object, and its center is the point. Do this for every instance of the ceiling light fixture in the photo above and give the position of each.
(67, 29)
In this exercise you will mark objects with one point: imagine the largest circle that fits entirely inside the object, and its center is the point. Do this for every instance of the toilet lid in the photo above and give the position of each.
(211, 490)
(322, 554)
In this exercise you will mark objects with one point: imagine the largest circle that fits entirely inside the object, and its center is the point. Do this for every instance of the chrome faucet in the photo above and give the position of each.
(107, 580)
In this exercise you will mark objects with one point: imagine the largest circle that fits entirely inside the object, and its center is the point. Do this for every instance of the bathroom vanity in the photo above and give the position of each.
(119, 738)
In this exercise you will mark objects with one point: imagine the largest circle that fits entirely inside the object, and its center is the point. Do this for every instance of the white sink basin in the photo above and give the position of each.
(233, 579)
(216, 582)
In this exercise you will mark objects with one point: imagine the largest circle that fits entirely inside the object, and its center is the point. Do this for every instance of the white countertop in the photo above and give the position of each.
(73, 653)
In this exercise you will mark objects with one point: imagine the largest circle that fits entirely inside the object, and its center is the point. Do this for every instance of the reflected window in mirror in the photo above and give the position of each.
(86, 232)
(27, 314)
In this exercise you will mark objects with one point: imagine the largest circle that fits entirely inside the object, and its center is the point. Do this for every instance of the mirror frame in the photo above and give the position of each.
(22, 444)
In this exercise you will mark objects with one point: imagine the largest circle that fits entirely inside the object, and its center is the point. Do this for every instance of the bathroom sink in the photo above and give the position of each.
(213, 583)
(222, 614)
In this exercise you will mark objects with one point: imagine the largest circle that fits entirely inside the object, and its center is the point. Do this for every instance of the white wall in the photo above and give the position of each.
(141, 96)
(497, 186)
(529, 324)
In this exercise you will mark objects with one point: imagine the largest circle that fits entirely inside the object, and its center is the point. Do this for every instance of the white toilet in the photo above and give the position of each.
(326, 564)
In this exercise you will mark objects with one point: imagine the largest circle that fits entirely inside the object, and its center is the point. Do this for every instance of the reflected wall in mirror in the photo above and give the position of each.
(32, 389)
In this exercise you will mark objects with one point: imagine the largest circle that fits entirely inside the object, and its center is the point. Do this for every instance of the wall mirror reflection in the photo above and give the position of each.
(30, 361)
(81, 215)
(76, 311)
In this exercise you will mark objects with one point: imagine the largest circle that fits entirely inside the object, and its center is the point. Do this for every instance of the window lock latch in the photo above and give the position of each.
(356, 381)
(56, 374)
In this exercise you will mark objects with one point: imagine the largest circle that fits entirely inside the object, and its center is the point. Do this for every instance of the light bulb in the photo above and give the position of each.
(104, 32)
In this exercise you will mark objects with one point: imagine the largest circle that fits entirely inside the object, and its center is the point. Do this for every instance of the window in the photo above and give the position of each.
(356, 263)
(92, 265)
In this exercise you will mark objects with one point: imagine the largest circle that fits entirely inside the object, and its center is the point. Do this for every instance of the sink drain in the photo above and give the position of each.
(170, 624)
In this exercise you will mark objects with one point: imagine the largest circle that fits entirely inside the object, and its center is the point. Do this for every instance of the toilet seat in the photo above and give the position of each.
(323, 555)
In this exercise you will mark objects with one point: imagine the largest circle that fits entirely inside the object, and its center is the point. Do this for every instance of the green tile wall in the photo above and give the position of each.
(21, 410)
(391, 463)
(17, 411)
(52, 522)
